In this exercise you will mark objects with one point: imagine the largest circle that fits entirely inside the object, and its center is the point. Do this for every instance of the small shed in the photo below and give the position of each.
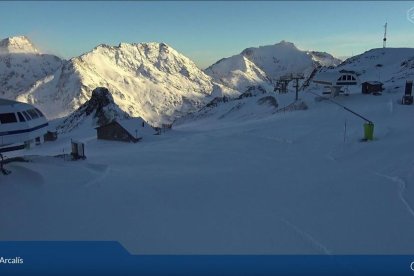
(129, 130)
(374, 87)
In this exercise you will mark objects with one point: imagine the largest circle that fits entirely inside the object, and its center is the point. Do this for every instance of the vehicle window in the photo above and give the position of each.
(26, 116)
(33, 113)
(7, 118)
(39, 112)
(21, 118)
(353, 78)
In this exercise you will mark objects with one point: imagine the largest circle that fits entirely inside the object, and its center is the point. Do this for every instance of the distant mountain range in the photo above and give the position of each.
(159, 84)
(150, 80)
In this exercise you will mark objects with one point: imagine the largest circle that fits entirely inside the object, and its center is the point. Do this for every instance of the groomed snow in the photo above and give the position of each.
(278, 183)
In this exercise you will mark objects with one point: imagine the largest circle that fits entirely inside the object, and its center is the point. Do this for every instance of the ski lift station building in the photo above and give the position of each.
(21, 123)
(335, 80)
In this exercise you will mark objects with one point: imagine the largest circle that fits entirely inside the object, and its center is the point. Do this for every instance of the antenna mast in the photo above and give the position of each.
(384, 41)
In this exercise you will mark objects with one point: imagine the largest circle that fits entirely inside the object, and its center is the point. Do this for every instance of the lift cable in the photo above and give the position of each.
(344, 107)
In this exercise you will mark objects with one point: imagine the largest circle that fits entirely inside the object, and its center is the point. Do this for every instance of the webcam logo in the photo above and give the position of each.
(410, 15)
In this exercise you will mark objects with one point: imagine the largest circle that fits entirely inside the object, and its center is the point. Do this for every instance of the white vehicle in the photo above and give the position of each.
(21, 125)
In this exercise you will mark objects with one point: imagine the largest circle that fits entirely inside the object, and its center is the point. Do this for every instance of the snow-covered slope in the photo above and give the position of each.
(149, 80)
(22, 65)
(253, 104)
(392, 66)
(324, 59)
(239, 73)
(265, 64)
(282, 183)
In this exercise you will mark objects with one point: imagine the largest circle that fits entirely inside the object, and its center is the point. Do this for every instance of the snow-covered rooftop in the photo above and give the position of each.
(373, 82)
(136, 127)
(331, 77)
(7, 102)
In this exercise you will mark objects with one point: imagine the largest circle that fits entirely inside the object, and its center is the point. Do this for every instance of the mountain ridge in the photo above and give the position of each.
(148, 80)
(154, 81)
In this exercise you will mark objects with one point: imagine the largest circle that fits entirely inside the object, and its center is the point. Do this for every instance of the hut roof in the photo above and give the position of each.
(330, 77)
(373, 82)
(134, 126)
(7, 102)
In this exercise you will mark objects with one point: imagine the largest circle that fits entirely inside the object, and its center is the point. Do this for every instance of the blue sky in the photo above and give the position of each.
(208, 31)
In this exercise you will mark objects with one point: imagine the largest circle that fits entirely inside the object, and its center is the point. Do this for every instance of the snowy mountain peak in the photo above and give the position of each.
(148, 80)
(283, 47)
(22, 66)
(238, 73)
(263, 65)
(285, 43)
(17, 44)
(153, 52)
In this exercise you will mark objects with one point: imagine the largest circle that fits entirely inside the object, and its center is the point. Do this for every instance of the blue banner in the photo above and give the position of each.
(110, 258)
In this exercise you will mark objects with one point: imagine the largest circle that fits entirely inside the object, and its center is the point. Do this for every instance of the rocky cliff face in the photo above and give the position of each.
(100, 109)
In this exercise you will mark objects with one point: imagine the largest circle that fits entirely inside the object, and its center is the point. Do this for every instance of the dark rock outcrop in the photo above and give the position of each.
(252, 91)
(268, 100)
(101, 108)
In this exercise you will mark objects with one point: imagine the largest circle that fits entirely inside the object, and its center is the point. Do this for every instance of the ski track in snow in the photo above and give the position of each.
(277, 139)
(101, 171)
(402, 187)
(236, 153)
(307, 237)
(34, 176)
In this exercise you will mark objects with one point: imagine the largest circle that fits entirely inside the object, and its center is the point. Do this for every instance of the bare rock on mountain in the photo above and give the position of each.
(100, 109)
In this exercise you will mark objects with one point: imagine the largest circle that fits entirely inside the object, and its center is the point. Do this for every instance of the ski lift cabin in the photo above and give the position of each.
(21, 125)
(335, 80)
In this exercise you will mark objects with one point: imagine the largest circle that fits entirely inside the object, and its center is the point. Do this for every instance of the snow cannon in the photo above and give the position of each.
(369, 131)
